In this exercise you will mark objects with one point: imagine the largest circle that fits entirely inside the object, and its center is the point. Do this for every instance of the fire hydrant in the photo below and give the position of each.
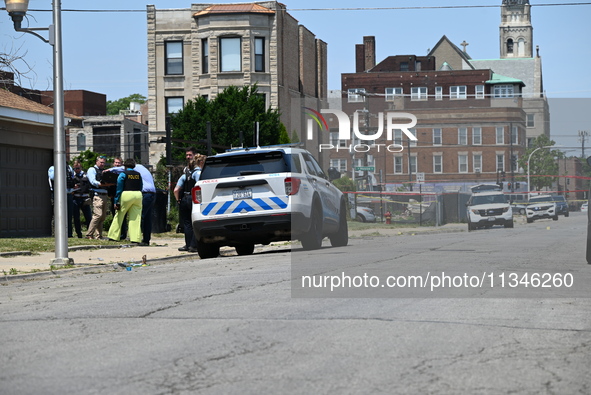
(388, 217)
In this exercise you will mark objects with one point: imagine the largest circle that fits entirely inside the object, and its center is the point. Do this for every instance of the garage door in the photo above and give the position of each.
(25, 206)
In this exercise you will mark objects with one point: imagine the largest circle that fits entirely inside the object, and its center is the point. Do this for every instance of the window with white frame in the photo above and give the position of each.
(457, 92)
(530, 120)
(334, 140)
(413, 143)
(259, 54)
(418, 93)
(413, 164)
(174, 57)
(436, 136)
(500, 135)
(437, 163)
(479, 94)
(477, 163)
(81, 142)
(230, 54)
(514, 135)
(339, 164)
(462, 163)
(398, 164)
(398, 136)
(500, 162)
(503, 91)
(462, 136)
(477, 135)
(355, 95)
(391, 93)
(438, 93)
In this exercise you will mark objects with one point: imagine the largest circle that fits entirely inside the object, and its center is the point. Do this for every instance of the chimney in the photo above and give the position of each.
(359, 58)
(369, 42)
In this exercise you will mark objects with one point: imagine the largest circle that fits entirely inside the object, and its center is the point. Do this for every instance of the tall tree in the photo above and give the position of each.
(233, 111)
(542, 164)
(114, 106)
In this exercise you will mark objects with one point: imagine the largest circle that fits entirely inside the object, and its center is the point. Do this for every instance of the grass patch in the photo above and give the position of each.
(354, 225)
(46, 244)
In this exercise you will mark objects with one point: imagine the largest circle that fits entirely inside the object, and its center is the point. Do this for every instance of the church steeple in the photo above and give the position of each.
(516, 31)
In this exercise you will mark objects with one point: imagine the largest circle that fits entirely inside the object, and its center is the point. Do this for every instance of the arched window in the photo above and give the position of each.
(81, 142)
(510, 45)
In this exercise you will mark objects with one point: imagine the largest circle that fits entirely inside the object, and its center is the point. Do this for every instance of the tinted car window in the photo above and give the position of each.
(246, 164)
(476, 200)
(540, 199)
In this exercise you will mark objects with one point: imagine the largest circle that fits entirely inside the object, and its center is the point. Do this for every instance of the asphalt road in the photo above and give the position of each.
(245, 325)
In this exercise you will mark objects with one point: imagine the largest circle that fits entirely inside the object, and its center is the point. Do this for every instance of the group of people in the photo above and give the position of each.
(128, 187)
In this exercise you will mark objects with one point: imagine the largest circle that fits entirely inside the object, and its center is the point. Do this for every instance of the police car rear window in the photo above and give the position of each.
(243, 164)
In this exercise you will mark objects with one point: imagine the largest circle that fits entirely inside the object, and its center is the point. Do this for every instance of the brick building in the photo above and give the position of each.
(202, 50)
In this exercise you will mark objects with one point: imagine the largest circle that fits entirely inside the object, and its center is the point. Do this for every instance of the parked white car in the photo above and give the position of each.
(540, 207)
(486, 209)
(584, 207)
(365, 214)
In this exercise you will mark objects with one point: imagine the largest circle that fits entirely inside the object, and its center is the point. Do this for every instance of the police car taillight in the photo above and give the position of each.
(196, 194)
(292, 185)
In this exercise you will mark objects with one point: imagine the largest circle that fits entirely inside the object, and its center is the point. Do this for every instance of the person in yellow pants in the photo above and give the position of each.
(128, 200)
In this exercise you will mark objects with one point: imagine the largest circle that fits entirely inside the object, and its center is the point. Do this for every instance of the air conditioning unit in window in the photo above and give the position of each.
(477, 170)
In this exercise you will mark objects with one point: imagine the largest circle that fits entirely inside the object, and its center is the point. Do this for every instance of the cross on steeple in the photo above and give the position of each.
(464, 44)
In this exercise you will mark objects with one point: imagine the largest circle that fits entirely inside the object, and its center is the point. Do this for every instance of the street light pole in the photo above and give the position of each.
(528, 167)
(17, 9)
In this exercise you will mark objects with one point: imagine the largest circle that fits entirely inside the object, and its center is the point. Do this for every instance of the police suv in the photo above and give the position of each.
(488, 206)
(260, 195)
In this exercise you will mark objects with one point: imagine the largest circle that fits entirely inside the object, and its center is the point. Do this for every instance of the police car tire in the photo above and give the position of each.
(206, 250)
(341, 238)
(245, 249)
(312, 240)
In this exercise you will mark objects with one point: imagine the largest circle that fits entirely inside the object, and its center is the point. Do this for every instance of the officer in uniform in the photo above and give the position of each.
(182, 192)
(128, 200)
(100, 200)
(81, 195)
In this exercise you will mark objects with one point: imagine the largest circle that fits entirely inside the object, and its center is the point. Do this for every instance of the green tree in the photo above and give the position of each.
(233, 111)
(114, 106)
(345, 184)
(543, 162)
(88, 159)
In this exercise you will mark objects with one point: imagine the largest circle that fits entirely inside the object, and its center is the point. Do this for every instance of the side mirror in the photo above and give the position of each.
(333, 174)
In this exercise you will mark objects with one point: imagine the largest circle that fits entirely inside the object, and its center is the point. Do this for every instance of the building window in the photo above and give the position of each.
(479, 92)
(438, 93)
(514, 135)
(530, 120)
(436, 136)
(403, 66)
(204, 56)
(174, 104)
(81, 142)
(462, 163)
(334, 140)
(504, 91)
(457, 92)
(418, 93)
(354, 95)
(510, 45)
(437, 164)
(500, 135)
(398, 164)
(259, 54)
(477, 136)
(413, 143)
(477, 163)
(500, 162)
(230, 54)
(391, 93)
(463, 136)
(397, 136)
(413, 164)
(174, 57)
(418, 65)
(339, 164)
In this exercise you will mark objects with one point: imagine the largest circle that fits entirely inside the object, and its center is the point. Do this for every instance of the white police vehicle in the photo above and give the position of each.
(487, 207)
(540, 207)
(260, 195)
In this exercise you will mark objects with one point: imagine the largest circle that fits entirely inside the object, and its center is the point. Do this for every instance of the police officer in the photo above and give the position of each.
(69, 188)
(182, 192)
(81, 197)
(128, 200)
(100, 200)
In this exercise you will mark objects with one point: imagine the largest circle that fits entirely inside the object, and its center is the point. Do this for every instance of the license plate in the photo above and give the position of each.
(239, 194)
(492, 218)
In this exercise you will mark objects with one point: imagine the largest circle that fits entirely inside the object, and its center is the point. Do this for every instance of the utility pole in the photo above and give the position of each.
(583, 134)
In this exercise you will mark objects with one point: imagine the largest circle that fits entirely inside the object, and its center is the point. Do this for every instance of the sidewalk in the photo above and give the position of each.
(162, 249)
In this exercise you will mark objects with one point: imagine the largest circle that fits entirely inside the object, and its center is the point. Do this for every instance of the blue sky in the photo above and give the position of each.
(106, 52)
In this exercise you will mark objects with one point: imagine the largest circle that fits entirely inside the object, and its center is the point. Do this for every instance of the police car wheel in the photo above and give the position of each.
(312, 240)
(245, 249)
(341, 238)
(207, 251)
